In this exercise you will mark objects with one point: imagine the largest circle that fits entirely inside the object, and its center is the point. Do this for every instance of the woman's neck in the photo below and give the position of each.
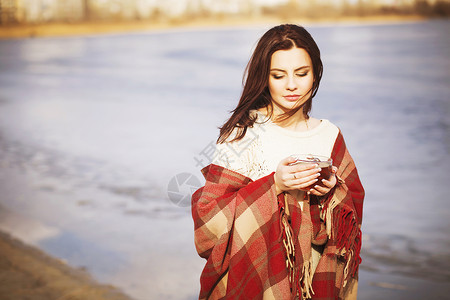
(297, 122)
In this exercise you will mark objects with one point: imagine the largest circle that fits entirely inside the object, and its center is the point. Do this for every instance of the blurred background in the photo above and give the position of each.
(102, 136)
(38, 11)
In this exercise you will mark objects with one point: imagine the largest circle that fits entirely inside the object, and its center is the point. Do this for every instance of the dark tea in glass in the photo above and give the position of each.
(325, 163)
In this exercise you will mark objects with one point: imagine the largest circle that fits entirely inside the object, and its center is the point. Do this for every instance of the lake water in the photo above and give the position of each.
(102, 139)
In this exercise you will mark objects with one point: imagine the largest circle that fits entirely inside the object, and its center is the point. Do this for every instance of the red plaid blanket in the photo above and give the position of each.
(239, 230)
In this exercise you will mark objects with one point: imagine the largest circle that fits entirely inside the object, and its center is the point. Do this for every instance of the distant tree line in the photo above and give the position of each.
(313, 9)
(38, 11)
(438, 9)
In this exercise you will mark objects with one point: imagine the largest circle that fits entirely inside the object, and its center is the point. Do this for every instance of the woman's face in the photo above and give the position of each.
(291, 79)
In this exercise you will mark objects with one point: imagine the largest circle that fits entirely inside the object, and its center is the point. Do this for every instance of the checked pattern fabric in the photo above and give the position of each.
(239, 230)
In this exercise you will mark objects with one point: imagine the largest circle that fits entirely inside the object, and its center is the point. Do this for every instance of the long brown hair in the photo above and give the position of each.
(255, 94)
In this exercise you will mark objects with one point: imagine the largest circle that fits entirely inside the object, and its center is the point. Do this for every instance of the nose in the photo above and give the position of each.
(291, 84)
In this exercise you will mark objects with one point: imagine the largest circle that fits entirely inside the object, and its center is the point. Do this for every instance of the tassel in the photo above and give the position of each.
(332, 204)
(288, 242)
(306, 281)
(289, 248)
(347, 267)
(342, 228)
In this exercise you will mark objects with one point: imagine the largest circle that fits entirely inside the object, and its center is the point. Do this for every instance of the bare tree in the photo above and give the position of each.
(8, 9)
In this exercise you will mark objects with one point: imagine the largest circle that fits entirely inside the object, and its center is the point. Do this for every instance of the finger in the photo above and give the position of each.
(319, 190)
(304, 167)
(334, 169)
(306, 185)
(315, 192)
(302, 185)
(302, 178)
(327, 183)
(331, 182)
(298, 174)
(287, 162)
(306, 174)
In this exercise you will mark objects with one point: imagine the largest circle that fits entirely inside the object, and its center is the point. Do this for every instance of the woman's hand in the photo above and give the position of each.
(295, 177)
(326, 185)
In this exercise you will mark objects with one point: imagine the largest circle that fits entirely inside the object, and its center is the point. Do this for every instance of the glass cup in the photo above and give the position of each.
(324, 162)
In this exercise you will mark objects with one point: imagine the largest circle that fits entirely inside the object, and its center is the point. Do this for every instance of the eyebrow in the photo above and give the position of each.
(298, 69)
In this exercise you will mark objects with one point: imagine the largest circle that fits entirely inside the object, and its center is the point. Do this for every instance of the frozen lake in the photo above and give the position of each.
(95, 131)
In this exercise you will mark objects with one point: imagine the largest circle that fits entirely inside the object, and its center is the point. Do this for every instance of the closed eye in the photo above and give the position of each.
(276, 76)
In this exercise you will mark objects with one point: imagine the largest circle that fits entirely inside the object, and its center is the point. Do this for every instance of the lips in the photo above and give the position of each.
(292, 98)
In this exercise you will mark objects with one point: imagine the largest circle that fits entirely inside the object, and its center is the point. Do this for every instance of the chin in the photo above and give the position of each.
(291, 106)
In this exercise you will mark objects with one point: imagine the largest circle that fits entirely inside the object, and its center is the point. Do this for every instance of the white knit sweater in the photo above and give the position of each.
(265, 144)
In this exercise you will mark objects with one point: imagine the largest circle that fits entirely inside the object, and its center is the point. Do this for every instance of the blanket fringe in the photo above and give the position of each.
(288, 241)
(346, 235)
(328, 210)
(289, 248)
(348, 242)
(306, 281)
(301, 286)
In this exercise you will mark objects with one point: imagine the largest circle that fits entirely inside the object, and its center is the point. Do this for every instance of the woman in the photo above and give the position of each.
(268, 228)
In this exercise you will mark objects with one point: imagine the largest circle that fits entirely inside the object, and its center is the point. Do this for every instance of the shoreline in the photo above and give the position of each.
(27, 272)
(110, 27)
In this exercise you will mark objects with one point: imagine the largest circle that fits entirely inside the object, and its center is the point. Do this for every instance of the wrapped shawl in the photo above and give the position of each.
(258, 245)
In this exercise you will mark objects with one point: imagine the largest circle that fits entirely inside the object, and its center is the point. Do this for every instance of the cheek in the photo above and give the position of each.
(307, 83)
(275, 86)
